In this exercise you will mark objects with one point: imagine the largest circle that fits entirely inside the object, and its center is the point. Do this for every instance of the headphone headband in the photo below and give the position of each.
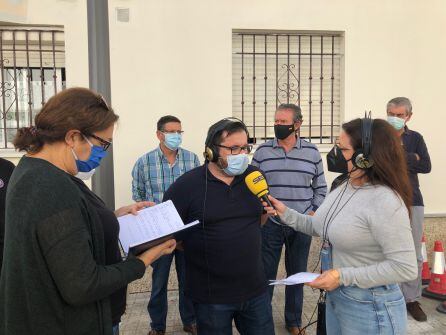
(361, 158)
(366, 130)
(211, 151)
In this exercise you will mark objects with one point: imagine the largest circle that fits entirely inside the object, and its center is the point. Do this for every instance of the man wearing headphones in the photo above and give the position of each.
(295, 174)
(399, 112)
(225, 278)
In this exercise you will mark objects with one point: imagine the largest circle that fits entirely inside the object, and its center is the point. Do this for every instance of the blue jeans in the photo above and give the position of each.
(297, 246)
(115, 330)
(351, 310)
(252, 317)
(157, 306)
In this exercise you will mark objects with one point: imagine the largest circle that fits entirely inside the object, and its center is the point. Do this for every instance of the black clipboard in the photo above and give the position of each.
(178, 236)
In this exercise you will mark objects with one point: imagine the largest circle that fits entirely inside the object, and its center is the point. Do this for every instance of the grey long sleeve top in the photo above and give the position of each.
(370, 233)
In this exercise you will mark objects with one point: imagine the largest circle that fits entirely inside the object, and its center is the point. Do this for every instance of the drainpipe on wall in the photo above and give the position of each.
(99, 70)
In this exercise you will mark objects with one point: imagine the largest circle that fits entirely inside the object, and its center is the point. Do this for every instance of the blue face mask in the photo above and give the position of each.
(396, 122)
(96, 155)
(172, 140)
(237, 164)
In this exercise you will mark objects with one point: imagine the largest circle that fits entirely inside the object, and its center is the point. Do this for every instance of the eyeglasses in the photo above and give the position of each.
(237, 150)
(104, 143)
(179, 132)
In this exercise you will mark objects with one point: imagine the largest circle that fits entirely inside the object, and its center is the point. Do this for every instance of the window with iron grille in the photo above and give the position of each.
(32, 69)
(303, 68)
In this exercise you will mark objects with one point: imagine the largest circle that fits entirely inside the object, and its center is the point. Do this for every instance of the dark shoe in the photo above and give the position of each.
(295, 330)
(442, 307)
(415, 310)
(156, 332)
(191, 329)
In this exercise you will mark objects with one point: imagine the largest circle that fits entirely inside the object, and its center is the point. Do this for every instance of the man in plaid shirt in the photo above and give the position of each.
(153, 174)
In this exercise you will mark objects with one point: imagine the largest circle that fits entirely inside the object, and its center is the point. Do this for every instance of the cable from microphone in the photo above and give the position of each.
(256, 183)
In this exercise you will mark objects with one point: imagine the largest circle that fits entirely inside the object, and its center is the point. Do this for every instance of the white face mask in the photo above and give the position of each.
(85, 175)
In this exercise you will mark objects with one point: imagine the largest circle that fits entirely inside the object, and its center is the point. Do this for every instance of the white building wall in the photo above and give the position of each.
(174, 57)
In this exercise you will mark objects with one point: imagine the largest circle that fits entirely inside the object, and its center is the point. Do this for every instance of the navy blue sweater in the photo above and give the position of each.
(223, 255)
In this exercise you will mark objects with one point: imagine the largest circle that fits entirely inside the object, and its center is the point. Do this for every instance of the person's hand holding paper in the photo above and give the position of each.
(133, 208)
(151, 255)
(328, 280)
(152, 226)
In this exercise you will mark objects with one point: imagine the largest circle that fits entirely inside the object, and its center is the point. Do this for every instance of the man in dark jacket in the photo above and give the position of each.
(399, 112)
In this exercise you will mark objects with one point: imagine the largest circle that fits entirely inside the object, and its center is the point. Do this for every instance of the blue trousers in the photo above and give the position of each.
(252, 317)
(297, 246)
(157, 306)
(351, 310)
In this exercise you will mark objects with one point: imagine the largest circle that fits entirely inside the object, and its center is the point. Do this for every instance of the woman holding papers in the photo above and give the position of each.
(110, 227)
(364, 224)
(55, 279)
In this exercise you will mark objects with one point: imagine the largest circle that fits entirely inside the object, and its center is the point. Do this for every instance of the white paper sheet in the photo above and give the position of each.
(298, 278)
(150, 223)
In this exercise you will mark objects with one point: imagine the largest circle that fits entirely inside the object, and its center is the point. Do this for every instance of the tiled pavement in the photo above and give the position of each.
(136, 321)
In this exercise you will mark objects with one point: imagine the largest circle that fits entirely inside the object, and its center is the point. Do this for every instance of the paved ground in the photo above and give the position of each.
(136, 321)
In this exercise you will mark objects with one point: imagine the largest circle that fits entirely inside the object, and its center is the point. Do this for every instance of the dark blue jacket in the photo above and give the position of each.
(413, 143)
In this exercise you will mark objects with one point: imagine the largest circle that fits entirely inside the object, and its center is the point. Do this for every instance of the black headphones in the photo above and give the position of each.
(361, 158)
(211, 150)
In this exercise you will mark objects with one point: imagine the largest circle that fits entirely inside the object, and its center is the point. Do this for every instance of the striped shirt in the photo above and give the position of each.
(153, 174)
(295, 177)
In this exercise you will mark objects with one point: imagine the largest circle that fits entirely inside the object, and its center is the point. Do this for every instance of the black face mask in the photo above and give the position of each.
(336, 161)
(283, 131)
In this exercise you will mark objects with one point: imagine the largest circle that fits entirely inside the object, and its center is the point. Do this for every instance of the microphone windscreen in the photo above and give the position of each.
(257, 184)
